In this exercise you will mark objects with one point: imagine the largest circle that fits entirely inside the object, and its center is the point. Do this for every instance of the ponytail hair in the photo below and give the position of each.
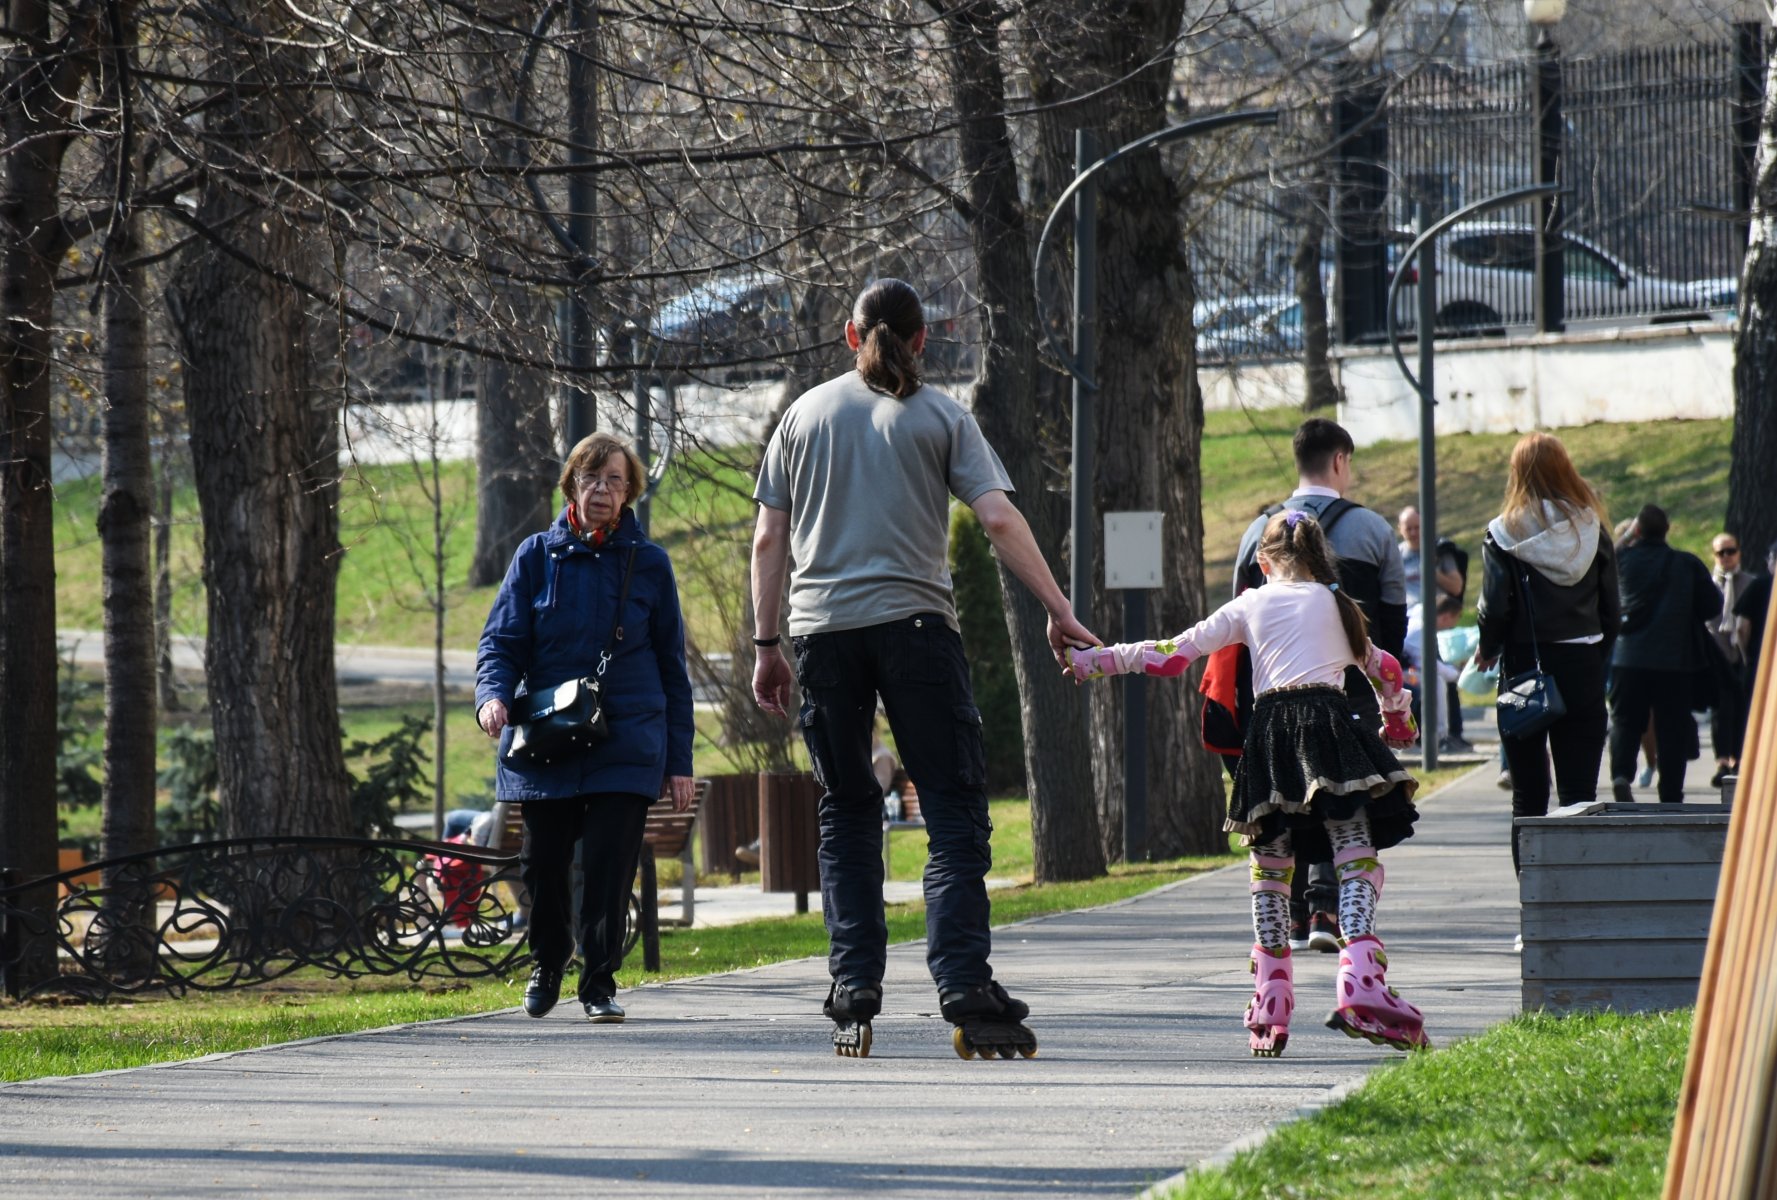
(887, 317)
(1296, 538)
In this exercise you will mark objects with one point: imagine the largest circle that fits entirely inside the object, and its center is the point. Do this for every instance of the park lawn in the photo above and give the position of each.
(40, 1039)
(703, 515)
(1579, 1107)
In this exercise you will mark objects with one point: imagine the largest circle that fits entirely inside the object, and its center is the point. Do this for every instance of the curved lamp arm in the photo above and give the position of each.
(1535, 191)
(1172, 133)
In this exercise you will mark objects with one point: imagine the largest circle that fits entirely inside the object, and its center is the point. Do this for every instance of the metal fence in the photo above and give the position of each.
(1655, 161)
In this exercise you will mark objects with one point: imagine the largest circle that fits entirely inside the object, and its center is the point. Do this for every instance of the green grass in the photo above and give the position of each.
(1680, 465)
(1575, 1107)
(48, 1039)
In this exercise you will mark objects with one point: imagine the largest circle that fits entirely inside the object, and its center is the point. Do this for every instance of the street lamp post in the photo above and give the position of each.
(1418, 256)
(1545, 91)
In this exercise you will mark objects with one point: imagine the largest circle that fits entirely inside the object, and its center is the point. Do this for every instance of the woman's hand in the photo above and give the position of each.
(492, 717)
(1483, 664)
(682, 789)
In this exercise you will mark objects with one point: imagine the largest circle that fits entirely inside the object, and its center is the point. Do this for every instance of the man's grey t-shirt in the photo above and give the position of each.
(867, 481)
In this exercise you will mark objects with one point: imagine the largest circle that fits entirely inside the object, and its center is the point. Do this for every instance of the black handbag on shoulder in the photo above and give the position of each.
(1528, 703)
(569, 718)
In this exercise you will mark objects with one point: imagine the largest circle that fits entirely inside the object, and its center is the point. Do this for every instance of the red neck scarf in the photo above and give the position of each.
(592, 537)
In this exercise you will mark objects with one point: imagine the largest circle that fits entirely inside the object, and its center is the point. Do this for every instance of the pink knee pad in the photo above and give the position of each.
(1272, 874)
(1359, 862)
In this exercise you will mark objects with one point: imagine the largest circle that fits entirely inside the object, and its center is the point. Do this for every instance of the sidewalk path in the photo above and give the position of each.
(726, 1086)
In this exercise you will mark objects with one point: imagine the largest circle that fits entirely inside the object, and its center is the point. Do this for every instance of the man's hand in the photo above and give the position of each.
(492, 717)
(771, 680)
(1066, 633)
(682, 789)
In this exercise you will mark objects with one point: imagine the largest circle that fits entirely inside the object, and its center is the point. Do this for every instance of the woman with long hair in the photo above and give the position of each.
(1549, 595)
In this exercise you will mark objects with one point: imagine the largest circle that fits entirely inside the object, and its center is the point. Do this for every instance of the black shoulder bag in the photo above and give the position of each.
(570, 717)
(1528, 703)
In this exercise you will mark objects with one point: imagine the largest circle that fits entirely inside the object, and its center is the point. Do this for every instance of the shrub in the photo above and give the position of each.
(981, 612)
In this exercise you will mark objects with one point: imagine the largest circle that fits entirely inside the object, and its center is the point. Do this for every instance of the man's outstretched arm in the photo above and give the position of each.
(1011, 537)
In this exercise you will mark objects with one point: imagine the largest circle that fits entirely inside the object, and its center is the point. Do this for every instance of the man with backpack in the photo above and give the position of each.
(1371, 573)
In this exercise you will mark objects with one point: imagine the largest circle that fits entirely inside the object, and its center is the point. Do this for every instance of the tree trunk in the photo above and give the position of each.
(1752, 501)
(515, 453)
(125, 514)
(1007, 399)
(265, 457)
(1147, 410)
(165, 684)
(1310, 205)
(35, 93)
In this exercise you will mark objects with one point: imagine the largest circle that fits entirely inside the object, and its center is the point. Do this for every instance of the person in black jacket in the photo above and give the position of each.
(1549, 591)
(1668, 596)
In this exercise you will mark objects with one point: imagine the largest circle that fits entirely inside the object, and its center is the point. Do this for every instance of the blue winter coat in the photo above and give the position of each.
(549, 621)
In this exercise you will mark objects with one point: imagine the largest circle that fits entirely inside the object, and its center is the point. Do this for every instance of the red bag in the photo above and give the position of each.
(1221, 700)
(459, 885)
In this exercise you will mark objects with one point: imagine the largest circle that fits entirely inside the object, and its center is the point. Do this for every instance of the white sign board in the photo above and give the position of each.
(1132, 550)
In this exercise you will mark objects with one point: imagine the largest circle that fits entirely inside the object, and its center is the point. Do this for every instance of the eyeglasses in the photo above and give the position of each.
(606, 483)
(1727, 551)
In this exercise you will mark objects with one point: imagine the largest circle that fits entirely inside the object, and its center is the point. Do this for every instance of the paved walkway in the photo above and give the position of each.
(725, 1086)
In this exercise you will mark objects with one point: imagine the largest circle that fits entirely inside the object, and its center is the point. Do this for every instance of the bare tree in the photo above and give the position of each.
(264, 438)
(1752, 502)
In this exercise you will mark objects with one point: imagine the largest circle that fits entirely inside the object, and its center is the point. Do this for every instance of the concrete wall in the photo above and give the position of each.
(1514, 384)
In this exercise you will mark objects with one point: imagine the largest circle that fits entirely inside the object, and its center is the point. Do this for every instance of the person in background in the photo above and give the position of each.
(1448, 576)
(590, 596)
(1727, 720)
(1549, 591)
(1666, 594)
(1750, 613)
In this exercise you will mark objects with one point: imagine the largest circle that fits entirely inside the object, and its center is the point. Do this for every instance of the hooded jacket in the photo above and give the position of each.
(1668, 598)
(551, 618)
(1572, 570)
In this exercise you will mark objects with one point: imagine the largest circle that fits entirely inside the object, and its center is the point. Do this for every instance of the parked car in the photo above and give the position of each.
(1235, 326)
(1487, 279)
(740, 320)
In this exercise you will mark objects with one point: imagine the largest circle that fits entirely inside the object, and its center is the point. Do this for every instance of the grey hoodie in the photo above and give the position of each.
(1559, 546)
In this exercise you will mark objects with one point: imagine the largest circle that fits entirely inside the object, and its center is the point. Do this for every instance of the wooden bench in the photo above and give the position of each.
(909, 818)
(665, 834)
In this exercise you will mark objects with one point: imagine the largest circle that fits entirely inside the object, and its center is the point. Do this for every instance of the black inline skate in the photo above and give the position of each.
(850, 1006)
(988, 1022)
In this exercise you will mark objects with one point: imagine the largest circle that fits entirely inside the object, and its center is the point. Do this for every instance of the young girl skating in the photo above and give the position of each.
(1312, 780)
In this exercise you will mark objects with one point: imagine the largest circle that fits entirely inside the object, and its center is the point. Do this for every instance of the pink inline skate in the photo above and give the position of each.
(1274, 997)
(1368, 1007)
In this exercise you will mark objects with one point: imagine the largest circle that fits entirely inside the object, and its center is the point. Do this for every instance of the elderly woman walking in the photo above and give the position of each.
(590, 598)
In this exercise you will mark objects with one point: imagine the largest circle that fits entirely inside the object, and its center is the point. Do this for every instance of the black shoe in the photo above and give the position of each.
(1455, 745)
(1323, 932)
(1299, 932)
(1620, 791)
(544, 989)
(1721, 772)
(602, 1010)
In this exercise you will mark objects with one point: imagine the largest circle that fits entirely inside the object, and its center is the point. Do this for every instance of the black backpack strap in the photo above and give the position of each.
(1330, 515)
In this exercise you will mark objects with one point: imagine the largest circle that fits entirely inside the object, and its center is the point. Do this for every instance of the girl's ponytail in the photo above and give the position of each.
(888, 316)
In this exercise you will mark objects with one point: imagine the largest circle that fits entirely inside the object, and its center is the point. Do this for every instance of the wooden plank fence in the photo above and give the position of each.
(1724, 1140)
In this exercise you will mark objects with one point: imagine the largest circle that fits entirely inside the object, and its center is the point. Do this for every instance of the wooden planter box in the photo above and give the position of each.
(789, 834)
(730, 818)
(1616, 903)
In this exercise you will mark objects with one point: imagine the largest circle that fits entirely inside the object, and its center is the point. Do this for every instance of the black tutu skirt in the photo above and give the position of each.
(1306, 761)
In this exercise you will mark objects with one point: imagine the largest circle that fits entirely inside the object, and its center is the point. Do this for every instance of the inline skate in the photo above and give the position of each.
(851, 1006)
(1274, 997)
(1367, 1006)
(988, 1022)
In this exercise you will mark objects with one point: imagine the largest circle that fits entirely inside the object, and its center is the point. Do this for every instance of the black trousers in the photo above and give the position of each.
(1575, 743)
(1634, 693)
(917, 666)
(608, 829)
(1727, 719)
